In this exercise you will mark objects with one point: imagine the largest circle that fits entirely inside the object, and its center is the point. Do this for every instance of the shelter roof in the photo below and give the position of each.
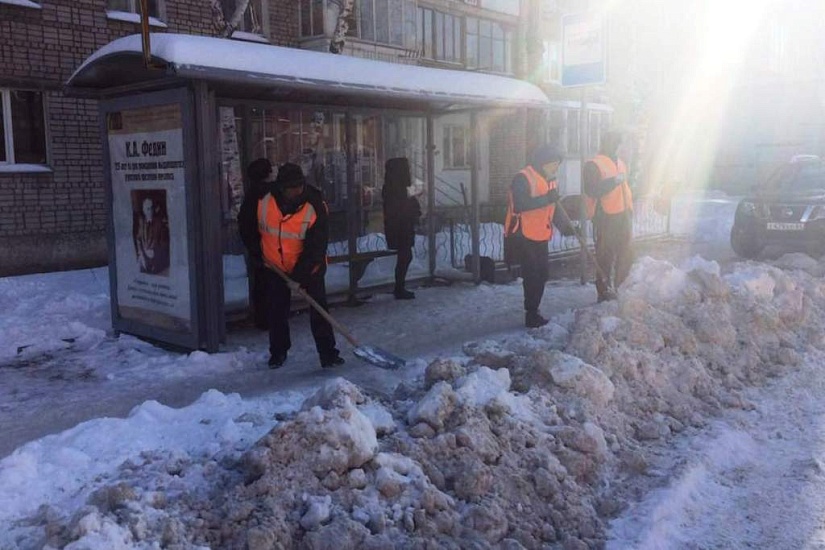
(245, 69)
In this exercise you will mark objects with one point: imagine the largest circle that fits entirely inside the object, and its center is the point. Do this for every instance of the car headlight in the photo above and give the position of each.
(818, 213)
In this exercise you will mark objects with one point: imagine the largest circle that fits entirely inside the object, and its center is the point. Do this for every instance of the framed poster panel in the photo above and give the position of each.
(150, 162)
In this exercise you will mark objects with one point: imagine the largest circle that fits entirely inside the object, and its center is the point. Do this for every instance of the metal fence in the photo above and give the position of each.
(453, 237)
(650, 221)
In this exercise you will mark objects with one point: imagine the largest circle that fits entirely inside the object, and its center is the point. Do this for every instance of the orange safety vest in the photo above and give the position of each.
(536, 224)
(282, 237)
(620, 199)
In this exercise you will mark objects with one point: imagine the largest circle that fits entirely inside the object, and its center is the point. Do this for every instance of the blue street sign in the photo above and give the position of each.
(583, 50)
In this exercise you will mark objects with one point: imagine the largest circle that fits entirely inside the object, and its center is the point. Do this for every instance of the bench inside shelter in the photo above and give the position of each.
(358, 264)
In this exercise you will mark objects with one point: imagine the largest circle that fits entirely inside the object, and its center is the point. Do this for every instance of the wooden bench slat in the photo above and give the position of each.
(362, 256)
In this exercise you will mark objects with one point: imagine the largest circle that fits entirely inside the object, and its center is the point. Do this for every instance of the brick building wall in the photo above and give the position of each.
(57, 220)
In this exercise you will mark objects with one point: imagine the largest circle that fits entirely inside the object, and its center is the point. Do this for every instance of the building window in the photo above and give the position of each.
(379, 21)
(456, 147)
(551, 61)
(489, 46)
(599, 123)
(312, 18)
(573, 131)
(133, 6)
(255, 19)
(439, 35)
(22, 127)
(555, 123)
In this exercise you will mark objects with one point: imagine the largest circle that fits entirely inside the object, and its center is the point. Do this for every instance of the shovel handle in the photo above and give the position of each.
(583, 244)
(315, 305)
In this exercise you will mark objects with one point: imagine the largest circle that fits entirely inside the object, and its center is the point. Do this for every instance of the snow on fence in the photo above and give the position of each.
(453, 239)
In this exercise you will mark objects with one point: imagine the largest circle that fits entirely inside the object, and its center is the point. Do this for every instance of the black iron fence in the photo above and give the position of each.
(650, 220)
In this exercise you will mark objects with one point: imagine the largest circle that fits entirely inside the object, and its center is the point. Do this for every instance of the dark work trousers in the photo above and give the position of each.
(278, 303)
(613, 234)
(534, 272)
(402, 264)
(257, 294)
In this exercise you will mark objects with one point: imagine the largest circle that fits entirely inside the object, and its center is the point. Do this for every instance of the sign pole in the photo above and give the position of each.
(584, 63)
(582, 206)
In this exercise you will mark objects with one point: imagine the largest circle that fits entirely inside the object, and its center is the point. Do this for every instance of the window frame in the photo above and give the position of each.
(7, 144)
(134, 6)
(448, 153)
(432, 35)
(242, 33)
(393, 33)
(551, 57)
(487, 36)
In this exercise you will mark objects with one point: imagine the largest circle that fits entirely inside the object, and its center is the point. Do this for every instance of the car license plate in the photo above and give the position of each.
(785, 226)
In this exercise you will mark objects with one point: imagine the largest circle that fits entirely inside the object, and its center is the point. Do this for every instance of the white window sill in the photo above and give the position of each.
(24, 168)
(249, 37)
(22, 4)
(129, 17)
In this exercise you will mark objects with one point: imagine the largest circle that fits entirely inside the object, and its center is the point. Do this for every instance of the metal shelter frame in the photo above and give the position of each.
(198, 72)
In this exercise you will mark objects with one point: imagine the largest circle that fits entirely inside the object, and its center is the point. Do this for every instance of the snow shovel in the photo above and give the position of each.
(583, 244)
(372, 355)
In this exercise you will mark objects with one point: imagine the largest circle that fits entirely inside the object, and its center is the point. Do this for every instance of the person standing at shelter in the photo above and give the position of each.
(258, 173)
(528, 225)
(290, 230)
(401, 213)
(610, 206)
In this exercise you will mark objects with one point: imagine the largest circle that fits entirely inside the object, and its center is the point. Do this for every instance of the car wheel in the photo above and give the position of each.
(743, 245)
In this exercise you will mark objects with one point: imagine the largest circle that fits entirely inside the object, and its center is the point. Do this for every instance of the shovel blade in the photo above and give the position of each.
(379, 357)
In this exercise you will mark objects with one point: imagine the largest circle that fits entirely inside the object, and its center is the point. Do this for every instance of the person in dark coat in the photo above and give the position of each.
(401, 213)
(289, 228)
(258, 174)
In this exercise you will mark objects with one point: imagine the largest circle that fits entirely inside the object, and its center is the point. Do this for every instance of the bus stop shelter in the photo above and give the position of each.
(177, 132)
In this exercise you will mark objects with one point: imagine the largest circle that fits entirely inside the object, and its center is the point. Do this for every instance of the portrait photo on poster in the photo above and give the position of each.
(150, 230)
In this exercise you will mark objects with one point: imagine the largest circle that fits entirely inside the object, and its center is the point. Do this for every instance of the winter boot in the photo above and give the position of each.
(277, 361)
(403, 294)
(532, 319)
(606, 295)
(331, 361)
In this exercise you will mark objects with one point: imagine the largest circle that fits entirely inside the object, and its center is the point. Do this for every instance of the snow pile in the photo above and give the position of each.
(527, 442)
(47, 321)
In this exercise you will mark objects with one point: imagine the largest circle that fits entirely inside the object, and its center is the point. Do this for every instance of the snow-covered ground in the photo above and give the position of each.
(685, 415)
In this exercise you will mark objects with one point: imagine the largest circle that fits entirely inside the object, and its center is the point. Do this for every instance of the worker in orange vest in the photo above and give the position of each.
(610, 205)
(528, 225)
(289, 229)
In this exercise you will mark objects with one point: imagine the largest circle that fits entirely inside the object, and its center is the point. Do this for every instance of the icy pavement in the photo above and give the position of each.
(60, 368)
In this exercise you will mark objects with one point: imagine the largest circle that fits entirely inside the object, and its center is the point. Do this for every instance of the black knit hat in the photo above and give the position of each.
(545, 154)
(259, 169)
(397, 173)
(290, 175)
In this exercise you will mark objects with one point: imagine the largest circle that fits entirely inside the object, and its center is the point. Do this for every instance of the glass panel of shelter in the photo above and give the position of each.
(315, 138)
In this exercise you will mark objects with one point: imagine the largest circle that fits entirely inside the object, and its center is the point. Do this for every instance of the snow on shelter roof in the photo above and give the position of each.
(238, 67)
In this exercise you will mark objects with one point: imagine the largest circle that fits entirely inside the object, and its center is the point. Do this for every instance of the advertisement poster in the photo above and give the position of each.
(149, 210)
